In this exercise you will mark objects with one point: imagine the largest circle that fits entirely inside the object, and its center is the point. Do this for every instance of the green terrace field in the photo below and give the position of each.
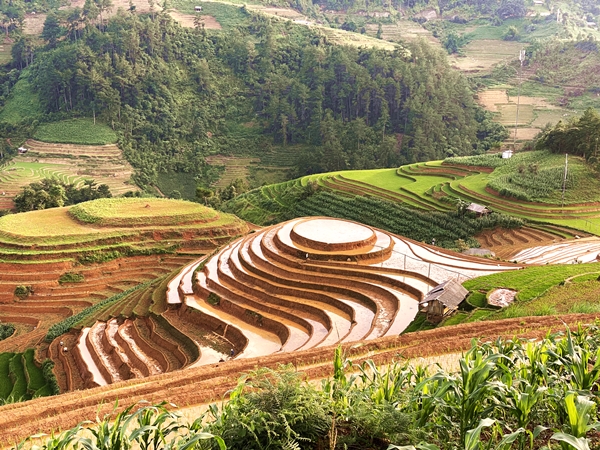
(76, 131)
(69, 163)
(527, 186)
(97, 226)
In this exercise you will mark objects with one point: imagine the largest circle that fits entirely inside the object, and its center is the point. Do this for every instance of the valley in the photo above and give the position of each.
(328, 224)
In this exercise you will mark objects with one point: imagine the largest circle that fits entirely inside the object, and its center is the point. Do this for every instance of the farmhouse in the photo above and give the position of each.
(442, 300)
(506, 154)
(479, 210)
(197, 8)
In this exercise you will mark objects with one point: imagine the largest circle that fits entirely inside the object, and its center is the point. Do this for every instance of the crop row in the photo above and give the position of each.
(62, 327)
(22, 379)
(446, 228)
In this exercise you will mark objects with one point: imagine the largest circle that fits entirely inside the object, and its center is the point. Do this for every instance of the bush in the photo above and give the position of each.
(23, 292)
(213, 299)
(47, 370)
(71, 277)
(6, 330)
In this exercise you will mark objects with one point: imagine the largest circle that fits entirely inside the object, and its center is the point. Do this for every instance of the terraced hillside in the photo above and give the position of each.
(302, 284)
(69, 163)
(438, 185)
(55, 266)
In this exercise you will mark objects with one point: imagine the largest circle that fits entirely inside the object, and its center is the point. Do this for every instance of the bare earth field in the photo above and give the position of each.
(483, 55)
(211, 383)
(187, 20)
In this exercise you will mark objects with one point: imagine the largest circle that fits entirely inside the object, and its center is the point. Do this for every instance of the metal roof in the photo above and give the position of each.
(450, 293)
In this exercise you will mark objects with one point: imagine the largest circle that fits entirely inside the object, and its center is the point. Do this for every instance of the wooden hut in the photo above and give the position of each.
(478, 210)
(442, 300)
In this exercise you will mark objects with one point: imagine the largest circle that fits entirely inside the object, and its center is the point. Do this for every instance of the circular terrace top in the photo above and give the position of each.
(332, 234)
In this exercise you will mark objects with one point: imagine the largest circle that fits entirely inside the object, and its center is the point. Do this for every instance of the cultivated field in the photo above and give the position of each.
(211, 383)
(436, 186)
(59, 273)
(68, 163)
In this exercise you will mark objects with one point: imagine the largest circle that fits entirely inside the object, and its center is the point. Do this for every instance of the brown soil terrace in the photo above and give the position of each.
(303, 286)
(200, 385)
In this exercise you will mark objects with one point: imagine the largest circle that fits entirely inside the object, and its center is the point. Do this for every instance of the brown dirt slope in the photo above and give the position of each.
(210, 383)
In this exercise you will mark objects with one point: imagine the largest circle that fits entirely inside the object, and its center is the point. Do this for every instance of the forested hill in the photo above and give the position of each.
(174, 94)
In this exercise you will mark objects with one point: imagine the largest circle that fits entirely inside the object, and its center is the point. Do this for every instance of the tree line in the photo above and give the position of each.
(579, 136)
(171, 93)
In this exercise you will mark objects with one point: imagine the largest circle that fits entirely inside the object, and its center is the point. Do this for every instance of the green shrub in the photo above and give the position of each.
(23, 292)
(71, 277)
(213, 299)
(51, 381)
(6, 330)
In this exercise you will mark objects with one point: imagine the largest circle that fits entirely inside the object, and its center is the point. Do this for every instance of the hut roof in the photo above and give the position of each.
(450, 293)
(479, 209)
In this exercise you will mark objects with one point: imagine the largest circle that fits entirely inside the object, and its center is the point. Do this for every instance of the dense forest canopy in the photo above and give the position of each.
(173, 93)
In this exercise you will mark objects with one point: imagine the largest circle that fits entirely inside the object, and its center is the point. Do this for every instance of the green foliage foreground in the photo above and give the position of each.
(506, 394)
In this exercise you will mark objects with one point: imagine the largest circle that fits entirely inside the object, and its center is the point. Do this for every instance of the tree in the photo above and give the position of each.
(52, 30)
(511, 8)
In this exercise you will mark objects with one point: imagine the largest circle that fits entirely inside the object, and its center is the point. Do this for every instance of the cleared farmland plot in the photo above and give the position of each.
(282, 289)
(68, 163)
(482, 55)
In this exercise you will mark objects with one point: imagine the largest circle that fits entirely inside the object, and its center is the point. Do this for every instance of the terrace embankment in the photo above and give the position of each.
(54, 265)
(211, 383)
(306, 283)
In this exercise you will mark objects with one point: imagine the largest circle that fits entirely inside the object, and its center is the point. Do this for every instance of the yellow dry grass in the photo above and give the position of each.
(187, 20)
(47, 222)
(34, 24)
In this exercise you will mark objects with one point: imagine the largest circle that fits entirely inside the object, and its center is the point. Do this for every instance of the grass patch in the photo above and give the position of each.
(23, 102)
(184, 183)
(229, 16)
(5, 381)
(477, 299)
(17, 373)
(34, 373)
(140, 212)
(76, 131)
(540, 292)
(455, 319)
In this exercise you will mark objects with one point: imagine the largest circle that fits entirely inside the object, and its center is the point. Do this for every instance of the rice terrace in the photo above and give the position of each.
(299, 225)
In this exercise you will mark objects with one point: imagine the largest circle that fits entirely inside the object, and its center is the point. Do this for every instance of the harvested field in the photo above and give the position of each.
(34, 23)
(403, 29)
(187, 20)
(235, 167)
(534, 112)
(482, 55)
(211, 383)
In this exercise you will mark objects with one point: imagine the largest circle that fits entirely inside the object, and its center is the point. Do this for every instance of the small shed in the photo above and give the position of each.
(506, 154)
(22, 150)
(442, 300)
(479, 210)
(197, 8)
